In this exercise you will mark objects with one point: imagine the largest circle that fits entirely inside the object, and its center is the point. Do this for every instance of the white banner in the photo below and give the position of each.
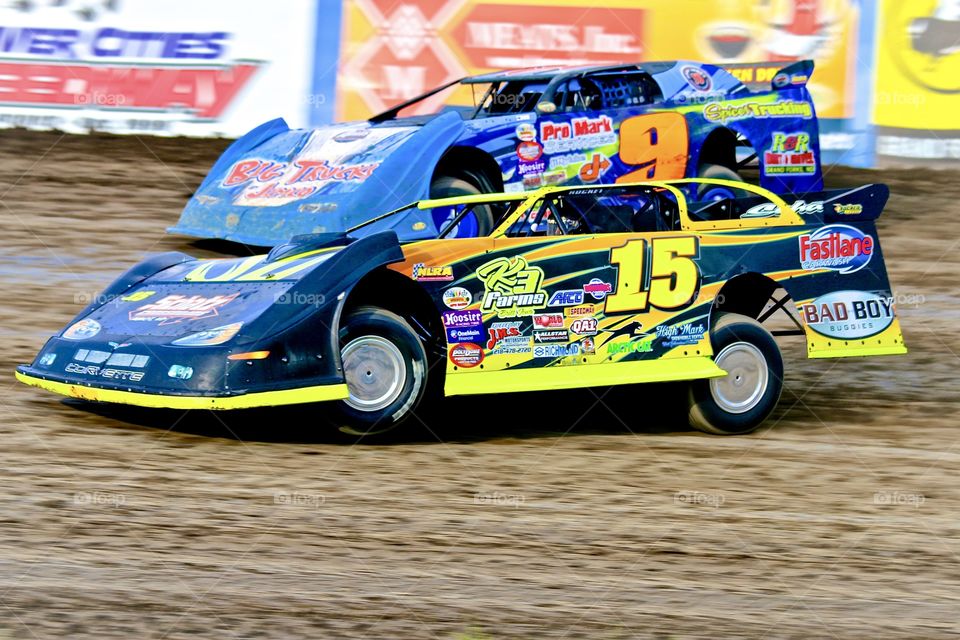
(170, 67)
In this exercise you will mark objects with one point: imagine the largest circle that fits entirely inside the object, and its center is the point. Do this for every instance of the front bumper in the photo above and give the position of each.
(172, 400)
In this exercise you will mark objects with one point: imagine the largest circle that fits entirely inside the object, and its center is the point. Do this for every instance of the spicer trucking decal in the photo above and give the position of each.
(849, 315)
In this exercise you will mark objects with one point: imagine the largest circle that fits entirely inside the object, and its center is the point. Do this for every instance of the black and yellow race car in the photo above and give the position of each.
(575, 287)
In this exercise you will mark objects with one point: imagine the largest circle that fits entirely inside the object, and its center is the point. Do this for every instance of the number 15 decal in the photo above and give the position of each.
(674, 277)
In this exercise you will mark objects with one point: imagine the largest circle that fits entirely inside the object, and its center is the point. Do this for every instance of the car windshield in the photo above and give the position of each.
(599, 210)
(472, 100)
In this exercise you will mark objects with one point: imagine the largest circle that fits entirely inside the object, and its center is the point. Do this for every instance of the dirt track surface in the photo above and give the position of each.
(565, 515)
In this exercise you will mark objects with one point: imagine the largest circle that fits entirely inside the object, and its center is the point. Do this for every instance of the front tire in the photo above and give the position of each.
(385, 367)
(740, 401)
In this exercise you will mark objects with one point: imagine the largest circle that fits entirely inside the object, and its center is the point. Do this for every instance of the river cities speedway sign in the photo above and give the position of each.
(176, 67)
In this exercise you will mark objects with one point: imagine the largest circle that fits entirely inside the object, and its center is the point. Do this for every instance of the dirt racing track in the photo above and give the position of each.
(562, 515)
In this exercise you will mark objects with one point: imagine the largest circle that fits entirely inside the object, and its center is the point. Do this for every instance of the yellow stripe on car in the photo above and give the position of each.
(303, 395)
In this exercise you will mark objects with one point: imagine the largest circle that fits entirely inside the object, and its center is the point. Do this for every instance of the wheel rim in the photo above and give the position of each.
(469, 227)
(713, 194)
(375, 373)
(746, 381)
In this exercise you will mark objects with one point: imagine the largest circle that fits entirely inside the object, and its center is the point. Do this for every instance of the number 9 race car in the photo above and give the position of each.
(524, 129)
(575, 287)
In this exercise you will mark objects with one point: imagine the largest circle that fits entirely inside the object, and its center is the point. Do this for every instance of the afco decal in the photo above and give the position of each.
(849, 315)
(837, 247)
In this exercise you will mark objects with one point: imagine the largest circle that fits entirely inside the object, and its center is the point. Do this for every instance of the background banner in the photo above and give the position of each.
(177, 67)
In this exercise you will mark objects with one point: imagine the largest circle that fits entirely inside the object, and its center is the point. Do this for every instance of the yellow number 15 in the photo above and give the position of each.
(674, 276)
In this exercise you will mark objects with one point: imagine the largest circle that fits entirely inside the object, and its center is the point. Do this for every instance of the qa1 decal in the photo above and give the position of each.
(512, 288)
(837, 247)
(849, 315)
(674, 274)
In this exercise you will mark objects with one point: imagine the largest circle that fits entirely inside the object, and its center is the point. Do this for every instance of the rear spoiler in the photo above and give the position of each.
(761, 77)
(860, 204)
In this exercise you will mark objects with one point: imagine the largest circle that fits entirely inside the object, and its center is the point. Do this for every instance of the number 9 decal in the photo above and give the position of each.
(656, 144)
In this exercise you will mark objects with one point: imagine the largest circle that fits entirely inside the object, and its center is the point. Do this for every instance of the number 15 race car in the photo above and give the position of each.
(575, 287)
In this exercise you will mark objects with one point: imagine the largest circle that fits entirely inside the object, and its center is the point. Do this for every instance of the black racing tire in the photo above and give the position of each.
(386, 369)
(740, 401)
(451, 186)
(718, 172)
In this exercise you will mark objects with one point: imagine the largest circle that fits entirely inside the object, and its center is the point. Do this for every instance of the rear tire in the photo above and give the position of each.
(708, 192)
(482, 216)
(385, 366)
(740, 401)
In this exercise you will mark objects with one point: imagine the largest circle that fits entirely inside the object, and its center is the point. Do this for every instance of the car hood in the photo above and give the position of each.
(277, 182)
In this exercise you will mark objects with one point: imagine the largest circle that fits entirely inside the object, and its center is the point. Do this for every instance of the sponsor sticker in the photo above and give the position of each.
(461, 319)
(683, 335)
(769, 209)
(584, 326)
(548, 321)
(837, 247)
(848, 209)
(566, 298)
(457, 298)
(587, 345)
(577, 134)
(595, 168)
(634, 346)
(529, 151)
(556, 350)
(82, 330)
(849, 315)
(697, 78)
(548, 336)
(466, 355)
(789, 154)
(512, 288)
(507, 337)
(176, 308)
(597, 288)
(717, 112)
(583, 310)
(526, 132)
(424, 273)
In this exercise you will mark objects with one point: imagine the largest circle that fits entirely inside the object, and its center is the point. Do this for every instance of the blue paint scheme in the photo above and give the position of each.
(391, 161)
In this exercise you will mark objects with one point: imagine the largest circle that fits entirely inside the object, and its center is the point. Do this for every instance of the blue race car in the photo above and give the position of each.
(527, 129)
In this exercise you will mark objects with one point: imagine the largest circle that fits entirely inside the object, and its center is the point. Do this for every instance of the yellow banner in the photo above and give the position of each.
(392, 51)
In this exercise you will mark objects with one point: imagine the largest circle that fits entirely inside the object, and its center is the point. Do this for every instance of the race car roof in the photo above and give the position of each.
(549, 73)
